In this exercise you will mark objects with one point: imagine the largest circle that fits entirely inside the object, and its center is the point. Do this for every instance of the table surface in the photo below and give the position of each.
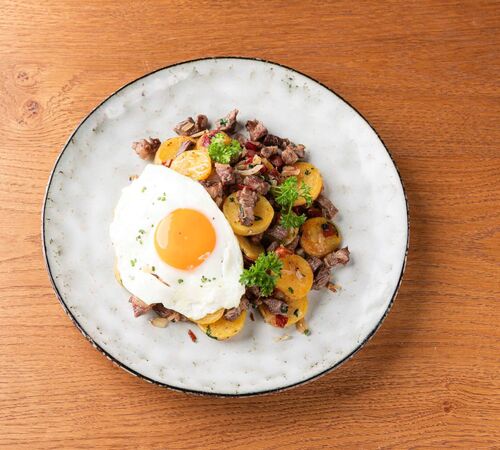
(424, 73)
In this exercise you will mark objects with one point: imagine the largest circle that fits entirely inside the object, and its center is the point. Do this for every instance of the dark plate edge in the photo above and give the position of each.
(191, 391)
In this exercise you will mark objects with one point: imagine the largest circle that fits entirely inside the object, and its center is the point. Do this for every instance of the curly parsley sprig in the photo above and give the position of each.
(222, 152)
(263, 273)
(285, 195)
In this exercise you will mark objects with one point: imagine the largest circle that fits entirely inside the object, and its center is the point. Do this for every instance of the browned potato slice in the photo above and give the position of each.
(210, 318)
(224, 329)
(264, 213)
(296, 277)
(250, 249)
(297, 309)
(319, 237)
(169, 148)
(309, 175)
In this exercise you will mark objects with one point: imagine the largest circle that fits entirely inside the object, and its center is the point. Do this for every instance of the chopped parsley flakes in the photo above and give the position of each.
(133, 262)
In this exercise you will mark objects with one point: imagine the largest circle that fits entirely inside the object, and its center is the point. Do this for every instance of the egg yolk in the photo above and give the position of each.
(184, 239)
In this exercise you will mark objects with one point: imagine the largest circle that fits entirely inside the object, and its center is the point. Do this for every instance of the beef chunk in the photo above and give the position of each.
(226, 173)
(322, 278)
(256, 130)
(257, 184)
(275, 306)
(277, 233)
(267, 152)
(234, 313)
(146, 148)
(289, 156)
(314, 262)
(228, 123)
(289, 171)
(338, 258)
(247, 198)
(327, 207)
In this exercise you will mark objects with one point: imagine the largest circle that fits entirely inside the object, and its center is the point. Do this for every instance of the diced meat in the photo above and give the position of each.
(257, 184)
(201, 123)
(225, 172)
(253, 145)
(272, 246)
(267, 152)
(275, 306)
(314, 262)
(322, 278)
(279, 295)
(256, 238)
(234, 313)
(228, 123)
(277, 233)
(289, 156)
(276, 161)
(252, 292)
(186, 145)
(241, 139)
(139, 306)
(299, 150)
(247, 198)
(146, 148)
(293, 244)
(290, 171)
(338, 258)
(327, 207)
(172, 316)
(271, 139)
(188, 126)
(213, 185)
(300, 251)
(256, 130)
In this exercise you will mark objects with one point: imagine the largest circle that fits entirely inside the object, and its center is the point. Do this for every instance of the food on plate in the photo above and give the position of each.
(223, 222)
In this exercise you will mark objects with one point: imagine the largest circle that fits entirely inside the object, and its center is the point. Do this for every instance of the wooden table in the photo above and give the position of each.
(424, 73)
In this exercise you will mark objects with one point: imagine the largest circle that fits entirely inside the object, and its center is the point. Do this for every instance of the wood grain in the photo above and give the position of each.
(424, 73)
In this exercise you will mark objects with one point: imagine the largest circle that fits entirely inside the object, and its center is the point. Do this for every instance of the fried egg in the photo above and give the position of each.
(174, 246)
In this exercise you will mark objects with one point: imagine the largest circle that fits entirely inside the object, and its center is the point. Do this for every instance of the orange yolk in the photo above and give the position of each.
(184, 239)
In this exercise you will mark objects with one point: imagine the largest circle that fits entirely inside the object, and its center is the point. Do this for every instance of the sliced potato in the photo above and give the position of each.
(250, 249)
(297, 309)
(296, 277)
(169, 148)
(204, 140)
(311, 177)
(313, 239)
(210, 318)
(224, 329)
(195, 164)
(263, 211)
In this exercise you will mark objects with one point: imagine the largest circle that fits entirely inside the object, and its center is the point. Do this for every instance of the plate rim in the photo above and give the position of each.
(128, 369)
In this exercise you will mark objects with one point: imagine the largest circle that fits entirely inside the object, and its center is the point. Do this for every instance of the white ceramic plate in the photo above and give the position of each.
(360, 178)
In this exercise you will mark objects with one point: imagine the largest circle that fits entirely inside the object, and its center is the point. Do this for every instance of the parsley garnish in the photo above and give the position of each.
(285, 195)
(307, 172)
(307, 332)
(143, 189)
(220, 151)
(263, 273)
(290, 289)
(162, 197)
(284, 308)
(180, 281)
(153, 268)
(296, 313)
(223, 121)
(133, 262)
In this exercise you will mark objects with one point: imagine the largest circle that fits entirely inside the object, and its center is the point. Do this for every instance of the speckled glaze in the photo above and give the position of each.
(360, 178)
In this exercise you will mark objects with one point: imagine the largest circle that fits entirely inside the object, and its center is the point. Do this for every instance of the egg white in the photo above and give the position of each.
(143, 204)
